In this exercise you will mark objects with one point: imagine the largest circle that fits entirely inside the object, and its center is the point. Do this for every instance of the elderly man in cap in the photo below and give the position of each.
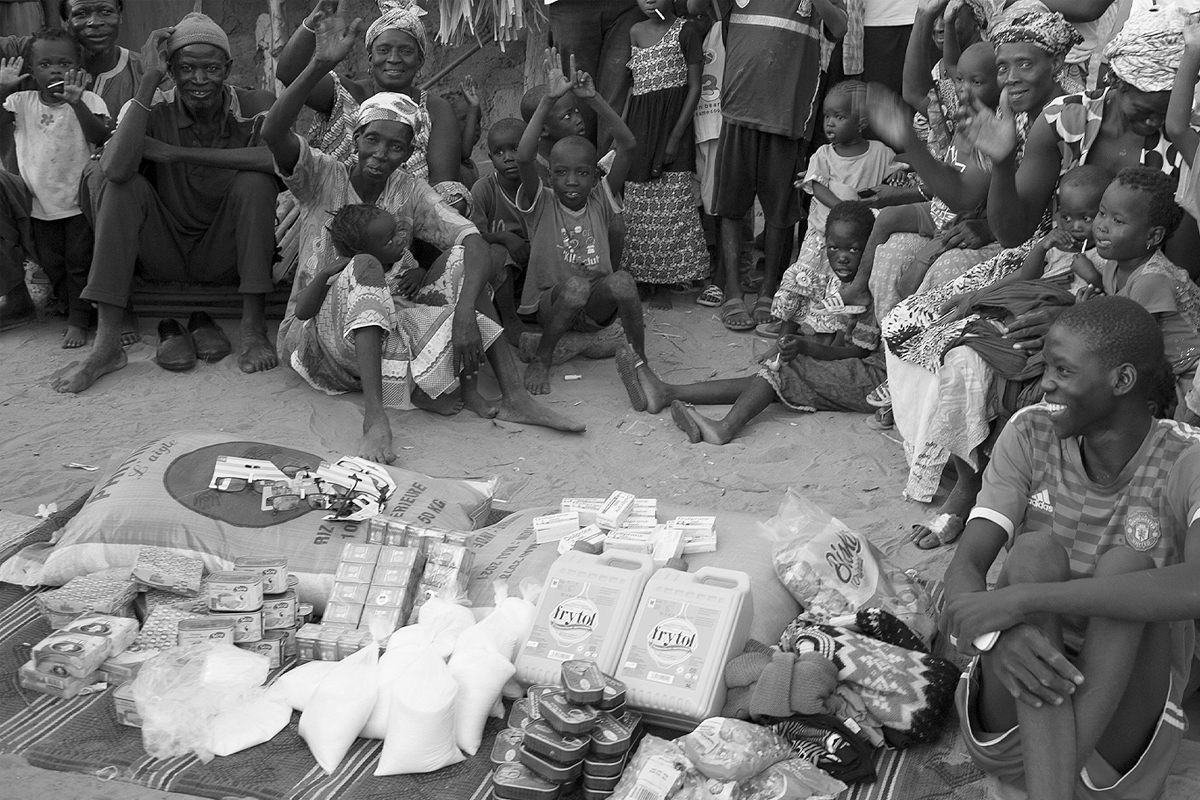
(189, 197)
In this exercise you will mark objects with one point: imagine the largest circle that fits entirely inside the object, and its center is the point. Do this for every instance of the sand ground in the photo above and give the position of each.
(834, 459)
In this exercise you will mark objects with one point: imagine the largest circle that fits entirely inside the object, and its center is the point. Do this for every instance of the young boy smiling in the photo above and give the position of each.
(571, 283)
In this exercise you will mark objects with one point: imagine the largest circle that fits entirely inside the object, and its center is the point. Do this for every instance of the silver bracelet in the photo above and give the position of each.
(304, 24)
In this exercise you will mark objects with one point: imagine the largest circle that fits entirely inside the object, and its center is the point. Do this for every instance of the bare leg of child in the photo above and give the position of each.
(909, 282)
(376, 442)
(661, 297)
(566, 301)
(753, 399)
(503, 296)
(777, 246)
(891, 219)
(74, 337)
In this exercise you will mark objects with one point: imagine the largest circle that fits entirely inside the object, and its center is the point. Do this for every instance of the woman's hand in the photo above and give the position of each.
(889, 117)
(993, 133)
(469, 93)
(1029, 329)
(957, 306)
(967, 234)
(335, 39)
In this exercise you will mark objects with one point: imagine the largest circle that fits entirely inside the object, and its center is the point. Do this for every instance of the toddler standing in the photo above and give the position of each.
(844, 169)
(56, 126)
(665, 242)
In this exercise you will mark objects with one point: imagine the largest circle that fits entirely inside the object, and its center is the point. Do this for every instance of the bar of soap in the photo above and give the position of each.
(615, 509)
(553, 527)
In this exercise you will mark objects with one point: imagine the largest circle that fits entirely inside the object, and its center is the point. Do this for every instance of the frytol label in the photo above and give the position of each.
(573, 620)
(672, 641)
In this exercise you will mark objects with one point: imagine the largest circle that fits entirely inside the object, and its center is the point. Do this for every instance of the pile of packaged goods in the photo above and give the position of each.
(387, 579)
(253, 606)
(576, 732)
(624, 522)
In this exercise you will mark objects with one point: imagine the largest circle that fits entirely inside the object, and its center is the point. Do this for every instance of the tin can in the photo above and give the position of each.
(274, 571)
(235, 591)
(126, 708)
(293, 583)
(304, 613)
(271, 646)
(279, 611)
(247, 625)
(205, 629)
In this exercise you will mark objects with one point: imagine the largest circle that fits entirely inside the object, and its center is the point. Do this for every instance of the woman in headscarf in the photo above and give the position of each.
(1031, 42)
(945, 406)
(396, 48)
(351, 326)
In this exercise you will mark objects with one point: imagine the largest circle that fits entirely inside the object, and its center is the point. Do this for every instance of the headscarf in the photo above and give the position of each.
(399, 15)
(1147, 50)
(1031, 22)
(390, 107)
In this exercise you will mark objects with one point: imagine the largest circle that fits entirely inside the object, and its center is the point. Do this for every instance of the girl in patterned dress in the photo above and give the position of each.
(665, 243)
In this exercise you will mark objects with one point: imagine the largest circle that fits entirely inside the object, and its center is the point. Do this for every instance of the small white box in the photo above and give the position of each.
(638, 541)
(615, 509)
(645, 505)
(694, 523)
(591, 534)
(668, 544)
(586, 507)
(704, 542)
(554, 527)
(639, 520)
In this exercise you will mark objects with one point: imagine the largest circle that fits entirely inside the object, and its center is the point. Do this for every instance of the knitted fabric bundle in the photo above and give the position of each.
(907, 690)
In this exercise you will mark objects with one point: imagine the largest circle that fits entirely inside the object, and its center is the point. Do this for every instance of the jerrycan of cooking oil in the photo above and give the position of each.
(585, 612)
(687, 626)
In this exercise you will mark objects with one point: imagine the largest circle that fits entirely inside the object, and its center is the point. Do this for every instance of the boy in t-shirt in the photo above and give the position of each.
(1096, 503)
(571, 283)
(57, 126)
(494, 212)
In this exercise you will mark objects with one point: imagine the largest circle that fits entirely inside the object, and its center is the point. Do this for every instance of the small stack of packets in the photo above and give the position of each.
(562, 736)
(373, 581)
(69, 661)
(624, 522)
(164, 569)
(85, 595)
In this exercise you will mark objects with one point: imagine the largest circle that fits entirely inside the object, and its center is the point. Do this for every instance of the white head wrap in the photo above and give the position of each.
(1147, 50)
(390, 107)
(399, 15)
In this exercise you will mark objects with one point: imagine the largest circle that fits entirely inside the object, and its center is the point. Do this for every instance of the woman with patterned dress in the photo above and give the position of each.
(665, 243)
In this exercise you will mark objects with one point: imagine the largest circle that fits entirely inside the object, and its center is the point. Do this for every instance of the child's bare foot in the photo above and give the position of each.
(258, 354)
(698, 427)
(661, 298)
(74, 337)
(129, 329)
(537, 377)
(102, 360)
(474, 401)
(447, 405)
(376, 442)
(525, 410)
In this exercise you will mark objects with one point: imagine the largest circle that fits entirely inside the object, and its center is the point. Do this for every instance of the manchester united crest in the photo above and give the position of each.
(1142, 530)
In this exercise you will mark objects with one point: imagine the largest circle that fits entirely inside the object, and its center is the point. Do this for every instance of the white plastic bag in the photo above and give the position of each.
(421, 720)
(481, 673)
(446, 618)
(834, 572)
(341, 706)
(296, 686)
(182, 691)
(392, 666)
(247, 724)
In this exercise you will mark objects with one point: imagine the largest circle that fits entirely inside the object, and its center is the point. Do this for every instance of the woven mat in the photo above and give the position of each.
(83, 735)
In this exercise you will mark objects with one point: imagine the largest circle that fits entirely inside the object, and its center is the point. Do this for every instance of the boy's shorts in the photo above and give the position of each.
(581, 323)
(751, 162)
(1000, 754)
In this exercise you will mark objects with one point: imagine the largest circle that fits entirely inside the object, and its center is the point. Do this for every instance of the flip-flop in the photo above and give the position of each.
(943, 529)
(882, 420)
(711, 297)
(683, 420)
(880, 396)
(769, 330)
(175, 352)
(210, 341)
(627, 364)
(761, 314)
(734, 316)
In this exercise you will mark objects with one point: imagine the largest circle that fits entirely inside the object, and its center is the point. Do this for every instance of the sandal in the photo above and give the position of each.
(769, 330)
(880, 396)
(734, 316)
(940, 531)
(762, 310)
(882, 420)
(711, 297)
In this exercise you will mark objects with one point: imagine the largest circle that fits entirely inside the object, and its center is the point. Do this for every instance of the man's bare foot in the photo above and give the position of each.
(537, 377)
(525, 410)
(17, 308)
(101, 361)
(661, 297)
(74, 337)
(447, 405)
(129, 329)
(698, 427)
(258, 354)
(376, 442)
(655, 390)
(474, 401)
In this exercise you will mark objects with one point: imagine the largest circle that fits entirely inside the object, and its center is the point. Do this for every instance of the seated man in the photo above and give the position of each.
(202, 207)
(115, 74)
(1097, 503)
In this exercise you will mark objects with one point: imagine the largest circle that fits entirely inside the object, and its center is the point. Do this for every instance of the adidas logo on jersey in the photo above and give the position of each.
(1041, 501)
